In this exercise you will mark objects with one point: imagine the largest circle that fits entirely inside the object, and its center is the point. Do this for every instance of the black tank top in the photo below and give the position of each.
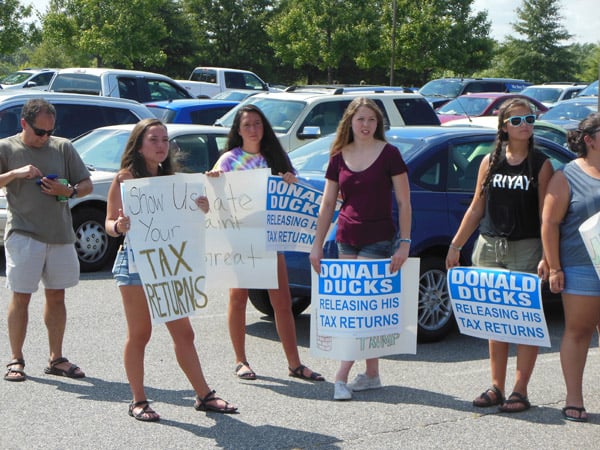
(512, 205)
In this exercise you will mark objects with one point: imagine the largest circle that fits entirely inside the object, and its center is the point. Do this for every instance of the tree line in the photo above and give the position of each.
(407, 42)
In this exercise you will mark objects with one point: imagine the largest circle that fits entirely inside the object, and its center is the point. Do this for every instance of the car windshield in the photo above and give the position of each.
(101, 149)
(281, 114)
(15, 78)
(314, 157)
(465, 105)
(544, 95)
(236, 96)
(571, 111)
(591, 89)
(441, 88)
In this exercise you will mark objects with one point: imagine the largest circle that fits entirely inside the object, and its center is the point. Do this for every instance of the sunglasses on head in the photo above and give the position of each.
(516, 121)
(39, 131)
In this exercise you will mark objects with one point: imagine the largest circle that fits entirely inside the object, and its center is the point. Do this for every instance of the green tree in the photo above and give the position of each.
(322, 34)
(13, 30)
(232, 33)
(535, 53)
(111, 32)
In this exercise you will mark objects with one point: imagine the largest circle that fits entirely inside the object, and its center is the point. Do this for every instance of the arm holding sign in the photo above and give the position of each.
(471, 219)
(402, 191)
(326, 211)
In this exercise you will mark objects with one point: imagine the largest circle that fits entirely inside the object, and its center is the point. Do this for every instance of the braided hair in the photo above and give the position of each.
(587, 127)
(502, 140)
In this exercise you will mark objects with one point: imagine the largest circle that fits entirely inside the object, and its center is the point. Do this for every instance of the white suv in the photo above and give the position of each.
(552, 93)
(28, 78)
(301, 114)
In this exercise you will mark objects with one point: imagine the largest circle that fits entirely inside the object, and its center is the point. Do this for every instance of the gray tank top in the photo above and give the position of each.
(584, 202)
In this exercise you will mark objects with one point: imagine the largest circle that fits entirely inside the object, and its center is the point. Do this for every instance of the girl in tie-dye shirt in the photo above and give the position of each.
(252, 144)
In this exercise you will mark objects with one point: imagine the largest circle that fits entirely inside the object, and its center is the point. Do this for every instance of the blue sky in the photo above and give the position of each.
(581, 17)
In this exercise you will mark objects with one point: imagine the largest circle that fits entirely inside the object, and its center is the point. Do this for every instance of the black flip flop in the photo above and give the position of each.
(520, 398)
(580, 410)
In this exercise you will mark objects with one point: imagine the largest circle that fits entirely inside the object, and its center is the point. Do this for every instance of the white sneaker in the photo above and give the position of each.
(341, 391)
(362, 382)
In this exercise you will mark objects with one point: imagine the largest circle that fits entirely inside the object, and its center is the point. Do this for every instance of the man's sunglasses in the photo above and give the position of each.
(39, 131)
(516, 121)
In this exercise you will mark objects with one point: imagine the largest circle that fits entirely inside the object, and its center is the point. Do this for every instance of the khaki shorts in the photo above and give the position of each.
(28, 261)
(521, 256)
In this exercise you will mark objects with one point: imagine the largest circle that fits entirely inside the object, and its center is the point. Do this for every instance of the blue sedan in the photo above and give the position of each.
(443, 165)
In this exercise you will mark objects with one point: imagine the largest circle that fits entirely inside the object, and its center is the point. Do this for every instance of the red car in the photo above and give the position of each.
(482, 104)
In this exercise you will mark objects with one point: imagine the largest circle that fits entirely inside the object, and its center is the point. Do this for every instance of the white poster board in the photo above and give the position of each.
(498, 304)
(359, 310)
(236, 254)
(167, 241)
(590, 233)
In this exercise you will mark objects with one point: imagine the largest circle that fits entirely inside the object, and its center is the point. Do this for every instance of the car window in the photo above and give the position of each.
(204, 75)
(128, 88)
(78, 83)
(207, 116)
(558, 160)
(463, 164)
(43, 79)
(416, 111)
(197, 152)
(102, 149)
(74, 120)
(164, 90)
(9, 122)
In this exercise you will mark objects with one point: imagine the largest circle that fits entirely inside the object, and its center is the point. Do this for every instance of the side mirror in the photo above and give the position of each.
(310, 132)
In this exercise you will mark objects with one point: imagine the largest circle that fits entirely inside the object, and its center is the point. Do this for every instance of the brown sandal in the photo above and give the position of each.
(20, 373)
(145, 414)
(485, 401)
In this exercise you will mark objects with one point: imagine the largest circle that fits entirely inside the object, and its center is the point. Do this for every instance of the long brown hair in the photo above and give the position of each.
(344, 133)
(133, 161)
(502, 138)
(270, 147)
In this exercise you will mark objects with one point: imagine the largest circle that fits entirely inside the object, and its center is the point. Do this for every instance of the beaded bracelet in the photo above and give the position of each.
(408, 241)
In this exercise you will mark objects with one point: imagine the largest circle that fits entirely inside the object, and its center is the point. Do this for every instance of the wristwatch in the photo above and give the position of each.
(74, 193)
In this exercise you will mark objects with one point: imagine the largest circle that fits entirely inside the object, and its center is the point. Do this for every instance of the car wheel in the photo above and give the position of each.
(435, 318)
(260, 300)
(94, 247)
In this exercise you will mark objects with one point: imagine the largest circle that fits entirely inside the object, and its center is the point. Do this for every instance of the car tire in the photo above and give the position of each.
(435, 317)
(260, 300)
(95, 249)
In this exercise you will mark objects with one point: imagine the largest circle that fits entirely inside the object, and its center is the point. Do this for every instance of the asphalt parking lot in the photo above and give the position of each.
(425, 402)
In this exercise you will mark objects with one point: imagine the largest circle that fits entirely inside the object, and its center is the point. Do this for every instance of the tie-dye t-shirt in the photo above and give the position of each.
(238, 159)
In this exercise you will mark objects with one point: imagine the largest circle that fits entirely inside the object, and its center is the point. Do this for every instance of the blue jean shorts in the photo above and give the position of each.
(376, 250)
(121, 273)
(581, 280)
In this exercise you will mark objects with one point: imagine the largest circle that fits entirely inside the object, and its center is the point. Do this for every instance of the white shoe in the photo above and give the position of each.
(362, 382)
(341, 391)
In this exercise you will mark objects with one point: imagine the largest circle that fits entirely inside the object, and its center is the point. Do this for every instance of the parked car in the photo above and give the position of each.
(442, 165)
(552, 93)
(188, 110)
(442, 90)
(209, 81)
(541, 128)
(28, 78)
(307, 113)
(483, 104)
(197, 148)
(569, 113)
(591, 89)
(75, 114)
(143, 87)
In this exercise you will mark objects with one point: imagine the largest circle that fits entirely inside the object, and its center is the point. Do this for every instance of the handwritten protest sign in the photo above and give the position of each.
(360, 310)
(292, 211)
(590, 233)
(236, 254)
(167, 241)
(498, 304)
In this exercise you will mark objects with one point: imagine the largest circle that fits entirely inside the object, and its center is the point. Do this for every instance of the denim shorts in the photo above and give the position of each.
(581, 280)
(376, 250)
(121, 273)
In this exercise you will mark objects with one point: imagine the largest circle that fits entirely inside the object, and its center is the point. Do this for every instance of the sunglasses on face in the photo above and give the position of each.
(39, 131)
(516, 121)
